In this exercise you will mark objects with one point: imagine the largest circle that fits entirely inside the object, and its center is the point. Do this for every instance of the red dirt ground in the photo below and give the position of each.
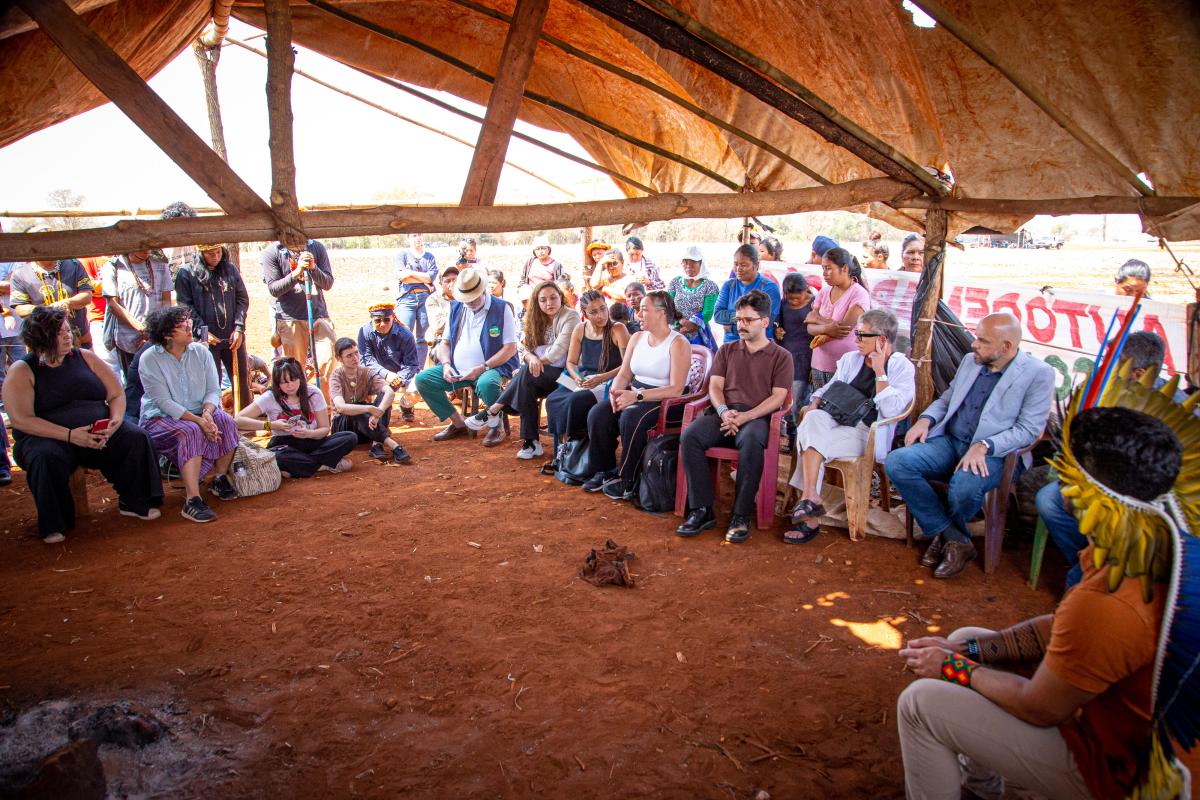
(343, 637)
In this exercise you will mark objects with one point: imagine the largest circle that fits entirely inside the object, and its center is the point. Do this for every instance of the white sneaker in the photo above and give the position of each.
(54, 538)
(529, 451)
(483, 419)
(342, 466)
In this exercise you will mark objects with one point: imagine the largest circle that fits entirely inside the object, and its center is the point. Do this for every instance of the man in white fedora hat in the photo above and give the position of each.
(478, 349)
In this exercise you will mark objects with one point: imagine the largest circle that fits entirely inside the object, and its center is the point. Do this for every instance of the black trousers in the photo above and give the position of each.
(578, 406)
(301, 458)
(358, 424)
(521, 396)
(128, 462)
(223, 355)
(4, 464)
(604, 427)
(751, 443)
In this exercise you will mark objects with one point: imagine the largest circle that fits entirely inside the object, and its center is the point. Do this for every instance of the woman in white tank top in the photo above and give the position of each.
(655, 368)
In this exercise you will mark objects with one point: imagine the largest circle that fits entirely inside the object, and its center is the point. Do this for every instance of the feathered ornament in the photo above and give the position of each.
(1153, 542)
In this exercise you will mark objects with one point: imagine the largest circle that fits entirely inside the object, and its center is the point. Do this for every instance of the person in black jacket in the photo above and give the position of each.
(211, 286)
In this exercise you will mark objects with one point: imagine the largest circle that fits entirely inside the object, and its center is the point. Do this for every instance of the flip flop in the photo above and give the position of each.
(806, 534)
(807, 509)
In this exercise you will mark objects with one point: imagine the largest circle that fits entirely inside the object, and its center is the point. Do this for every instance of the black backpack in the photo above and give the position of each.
(656, 486)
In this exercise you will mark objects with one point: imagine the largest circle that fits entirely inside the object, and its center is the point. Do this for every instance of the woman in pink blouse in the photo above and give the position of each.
(835, 312)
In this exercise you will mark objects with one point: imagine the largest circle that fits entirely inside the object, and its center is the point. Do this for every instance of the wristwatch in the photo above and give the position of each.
(640, 396)
(972, 649)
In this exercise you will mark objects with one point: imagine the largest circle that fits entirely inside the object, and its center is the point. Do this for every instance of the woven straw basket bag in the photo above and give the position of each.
(254, 469)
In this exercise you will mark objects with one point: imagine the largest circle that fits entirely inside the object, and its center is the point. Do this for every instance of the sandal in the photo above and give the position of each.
(807, 509)
(549, 468)
(801, 534)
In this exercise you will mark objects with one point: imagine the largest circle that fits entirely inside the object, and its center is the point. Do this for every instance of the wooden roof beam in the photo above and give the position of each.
(129, 235)
(676, 31)
(666, 94)
(537, 98)
(516, 59)
(981, 48)
(125, 88)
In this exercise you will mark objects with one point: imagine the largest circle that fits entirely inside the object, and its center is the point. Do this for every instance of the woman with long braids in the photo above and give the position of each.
(548, 326)
(298, 420)
(835, 312)
(593, 358)
(212, 287)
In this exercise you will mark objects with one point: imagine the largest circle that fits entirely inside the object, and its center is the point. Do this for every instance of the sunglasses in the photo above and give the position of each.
(860, 335)
(380, 317)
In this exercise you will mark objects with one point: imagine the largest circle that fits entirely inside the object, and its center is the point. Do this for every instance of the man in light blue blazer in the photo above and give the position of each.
(997, 403)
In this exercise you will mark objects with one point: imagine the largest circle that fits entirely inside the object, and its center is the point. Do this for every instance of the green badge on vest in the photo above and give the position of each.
(494, 330)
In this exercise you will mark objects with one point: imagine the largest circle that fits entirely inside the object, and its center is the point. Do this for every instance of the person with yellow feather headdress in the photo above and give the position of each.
(1113, 708)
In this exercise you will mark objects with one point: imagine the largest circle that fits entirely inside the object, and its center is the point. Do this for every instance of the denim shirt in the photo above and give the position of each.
(966, 418)
(174, 386)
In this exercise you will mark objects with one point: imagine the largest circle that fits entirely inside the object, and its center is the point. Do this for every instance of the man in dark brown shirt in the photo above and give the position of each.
(750, 380)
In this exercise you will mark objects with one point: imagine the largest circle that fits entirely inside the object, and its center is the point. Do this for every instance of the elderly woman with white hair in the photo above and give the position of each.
(838, 420)
(695, 296)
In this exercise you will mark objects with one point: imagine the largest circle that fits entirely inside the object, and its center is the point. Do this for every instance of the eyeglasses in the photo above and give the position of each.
(747, 320)
(860, 335)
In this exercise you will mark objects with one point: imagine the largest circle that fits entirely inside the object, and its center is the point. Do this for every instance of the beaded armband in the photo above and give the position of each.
(957, 668)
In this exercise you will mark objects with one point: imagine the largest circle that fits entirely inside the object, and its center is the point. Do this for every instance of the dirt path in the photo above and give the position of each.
(343, 637)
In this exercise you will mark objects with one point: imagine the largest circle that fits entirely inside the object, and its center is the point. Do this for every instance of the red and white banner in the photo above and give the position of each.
(1065, 328)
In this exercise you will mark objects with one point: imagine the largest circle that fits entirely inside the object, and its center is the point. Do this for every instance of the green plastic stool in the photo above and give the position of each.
(1039, 550)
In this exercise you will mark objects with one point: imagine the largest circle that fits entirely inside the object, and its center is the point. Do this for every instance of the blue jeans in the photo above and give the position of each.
(911, 468)
(410, 309)
(11, 349)
(1062, 527)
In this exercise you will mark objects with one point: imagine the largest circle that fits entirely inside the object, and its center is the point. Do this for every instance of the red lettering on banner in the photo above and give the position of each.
(1010, 302)
(1072, 310)
(1154, 325)
(1045, 335)
(1094, 313)
(978, 308)
(883, 294)
(955, 301)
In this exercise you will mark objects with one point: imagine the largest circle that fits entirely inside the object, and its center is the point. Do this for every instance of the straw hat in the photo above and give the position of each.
(204, 247)
(472, 282)
(597, 244)
(383, 307)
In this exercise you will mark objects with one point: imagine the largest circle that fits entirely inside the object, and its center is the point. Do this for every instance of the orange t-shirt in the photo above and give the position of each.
(95, 312)
(1105, 643)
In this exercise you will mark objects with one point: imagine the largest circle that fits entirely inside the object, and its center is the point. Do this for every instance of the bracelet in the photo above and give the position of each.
(957, 668)
(972, 649)
(721, 409)
(267, 426)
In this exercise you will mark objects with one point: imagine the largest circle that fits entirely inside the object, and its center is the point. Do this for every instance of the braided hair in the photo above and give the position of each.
(606, 339)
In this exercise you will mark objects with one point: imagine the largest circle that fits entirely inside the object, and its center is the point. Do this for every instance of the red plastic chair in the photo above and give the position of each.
(695, 389)
(764, 500)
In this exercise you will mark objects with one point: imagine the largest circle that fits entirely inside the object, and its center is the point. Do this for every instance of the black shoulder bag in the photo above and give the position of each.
(847, 405)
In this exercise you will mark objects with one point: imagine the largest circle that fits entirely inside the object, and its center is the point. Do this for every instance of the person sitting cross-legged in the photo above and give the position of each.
(879, 374)
(181, 408)
(997, 404)
(1109, 672)
(362, 403)
(388, 349)
(548, 328)
(749, 382)
(478, 349)
(298, 420)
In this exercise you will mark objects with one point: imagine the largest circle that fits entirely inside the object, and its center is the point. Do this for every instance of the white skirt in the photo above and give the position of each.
(819, 431)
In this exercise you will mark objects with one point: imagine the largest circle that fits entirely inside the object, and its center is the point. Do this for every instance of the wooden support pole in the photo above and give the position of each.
(672, 29)
(119, 83)
(516, 59)
(281, 59)
(923, 315)
(1012, 74)
(207, 58)
(130, 235)
(586, 231)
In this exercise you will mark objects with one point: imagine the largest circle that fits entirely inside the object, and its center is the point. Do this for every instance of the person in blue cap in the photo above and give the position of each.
(820, 246)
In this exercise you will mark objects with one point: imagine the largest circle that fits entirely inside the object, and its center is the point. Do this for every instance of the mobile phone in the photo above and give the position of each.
(100, 426)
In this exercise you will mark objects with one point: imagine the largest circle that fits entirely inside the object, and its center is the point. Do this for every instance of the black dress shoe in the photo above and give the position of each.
(933, 553)
(739, 529)
(449, 432)
(700, 519)
(955, 559)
